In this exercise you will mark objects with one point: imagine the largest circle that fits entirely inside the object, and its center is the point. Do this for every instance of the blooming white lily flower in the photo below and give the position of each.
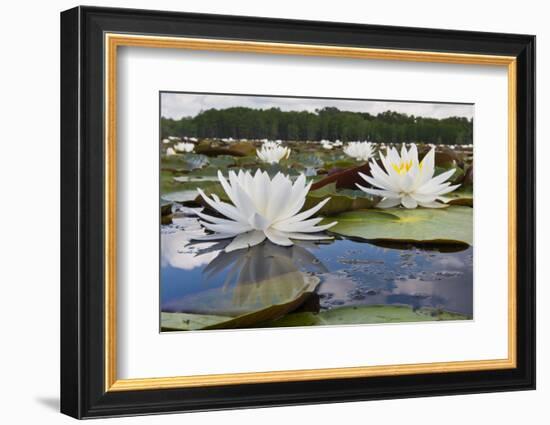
(270, 144)
(327, 145)
(262, 208)
(170, 152)
(165, 141)
(184, 147)
(408, 182)
(361, 151)
(273, 155)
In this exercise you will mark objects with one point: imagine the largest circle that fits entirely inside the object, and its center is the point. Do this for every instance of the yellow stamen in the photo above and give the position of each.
(403, 166)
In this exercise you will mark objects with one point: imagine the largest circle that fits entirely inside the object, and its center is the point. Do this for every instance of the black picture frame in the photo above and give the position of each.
(83, 392)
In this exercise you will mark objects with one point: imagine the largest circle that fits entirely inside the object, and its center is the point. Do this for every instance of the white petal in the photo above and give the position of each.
(212, 219)
(432, 205)
(259, 222)
(447, 189)
(376, 182)
(408, 202)
(246, 240)
(213, 236)
(388, 202)
(234, 227)
(442, 177)
(422, 198)
(225, 209)
(428, 166)
(226, 186)
(278, 238)
(379, 174)
(308, 236)
(284, 226)
(376, 192)
(306, 214)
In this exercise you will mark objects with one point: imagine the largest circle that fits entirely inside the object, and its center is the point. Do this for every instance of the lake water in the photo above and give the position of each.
(201, 278)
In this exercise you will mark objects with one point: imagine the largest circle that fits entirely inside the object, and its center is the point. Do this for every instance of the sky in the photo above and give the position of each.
(178, 105)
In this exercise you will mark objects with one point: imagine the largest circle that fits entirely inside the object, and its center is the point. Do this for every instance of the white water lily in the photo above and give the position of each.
(273, 155)
(408, 182)
(184, 147)
(361, 151)
(327, 145)
(170, 152)
(262, 208)
(270, 144)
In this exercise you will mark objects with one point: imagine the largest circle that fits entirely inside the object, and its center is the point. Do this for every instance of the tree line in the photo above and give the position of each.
(327, 123)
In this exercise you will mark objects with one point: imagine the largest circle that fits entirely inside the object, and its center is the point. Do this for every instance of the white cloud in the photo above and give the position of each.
(177, 105)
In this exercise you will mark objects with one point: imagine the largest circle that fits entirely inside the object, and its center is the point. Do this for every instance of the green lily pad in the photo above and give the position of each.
(222, 161)
(340, 200)
(344, 179)
(188, 322)
(306, 160)
(355, 315)
(184, 162)
(234, 149)
(292, 289)
(261, 284)
(444, 225)
(463, 196)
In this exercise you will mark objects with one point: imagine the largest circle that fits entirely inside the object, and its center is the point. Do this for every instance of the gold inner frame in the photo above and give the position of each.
(113, 41)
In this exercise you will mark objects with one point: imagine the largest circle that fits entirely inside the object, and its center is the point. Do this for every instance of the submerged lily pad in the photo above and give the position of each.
(445, 225)
(352, 315)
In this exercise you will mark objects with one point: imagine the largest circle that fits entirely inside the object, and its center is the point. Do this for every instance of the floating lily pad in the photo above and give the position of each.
(222, 161)
(427, 225)
(184, 162)
(352, 315)
(188, 322)
(340, 200)
(344, 179)
(306, 160)
(250, 294)
(461, 197)
(234, 149)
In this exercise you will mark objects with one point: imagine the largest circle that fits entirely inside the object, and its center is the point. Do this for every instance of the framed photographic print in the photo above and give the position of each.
(261, 212)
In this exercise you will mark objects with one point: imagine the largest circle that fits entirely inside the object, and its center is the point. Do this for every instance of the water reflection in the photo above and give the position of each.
(201, 278)
(248, 280)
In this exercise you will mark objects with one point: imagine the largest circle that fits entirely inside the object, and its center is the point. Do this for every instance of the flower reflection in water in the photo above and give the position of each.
(266, 276)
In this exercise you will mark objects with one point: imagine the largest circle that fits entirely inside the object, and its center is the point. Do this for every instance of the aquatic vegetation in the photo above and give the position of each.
(262, 207)
(325, 144)
(361, 151)
(270, 144)
(408, 182)
(291, 240)
(184, 147)
(273, 154)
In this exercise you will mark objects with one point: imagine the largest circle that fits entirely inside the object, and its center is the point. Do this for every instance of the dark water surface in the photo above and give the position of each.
(201, 278)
